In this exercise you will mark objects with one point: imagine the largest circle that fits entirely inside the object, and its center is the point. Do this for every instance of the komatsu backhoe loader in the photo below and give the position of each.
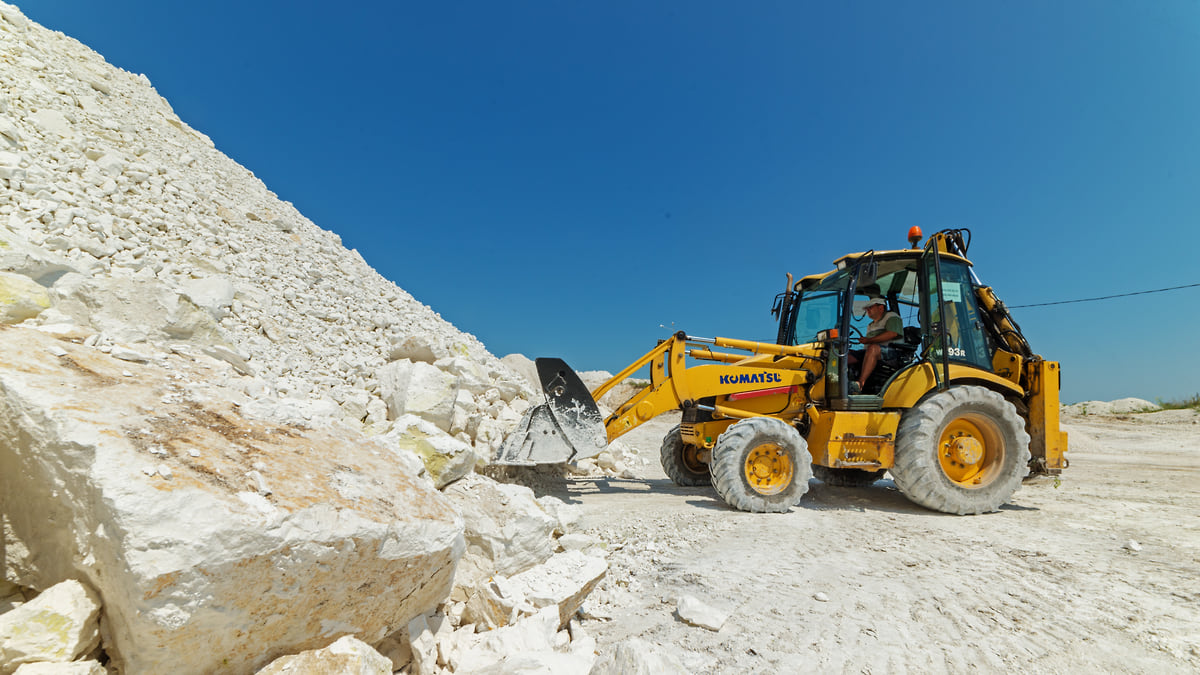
(959, 409)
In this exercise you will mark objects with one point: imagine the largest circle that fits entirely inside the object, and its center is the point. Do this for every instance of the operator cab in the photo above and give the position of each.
(830, 309)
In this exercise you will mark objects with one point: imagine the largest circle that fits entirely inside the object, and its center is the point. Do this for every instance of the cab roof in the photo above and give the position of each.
(849, 259)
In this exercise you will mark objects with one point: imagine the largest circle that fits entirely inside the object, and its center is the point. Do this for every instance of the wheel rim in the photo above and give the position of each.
(769, 469)
(971, 451)
(690, 458)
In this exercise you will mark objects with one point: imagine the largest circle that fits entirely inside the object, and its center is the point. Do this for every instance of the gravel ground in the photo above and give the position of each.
(1098, 572)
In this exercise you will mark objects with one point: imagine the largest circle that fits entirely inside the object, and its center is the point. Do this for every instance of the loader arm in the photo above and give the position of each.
(568, 427)
(672, 388)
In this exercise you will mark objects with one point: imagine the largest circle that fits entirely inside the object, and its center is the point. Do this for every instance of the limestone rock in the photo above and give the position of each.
(52, 122)
(423, 646)
(507, 532)
(14, 17)
(578, 541)
(503, 524)
(10, 136)
(472, 376)
(413, 348)
(212, 294)
(636, 656)
(446, 459)
(696, 613)
(495, 603)
(346, 656)
(562, 582)
(60, 624)
(619, 394)
(133, 309)
(537, 663)
(434, 346)
(21, 298)
(490, 434)
(397, 648)
(568, 517)
(529, 646)
(420, 389)
(233, 358)
(198, 573)
(19, 256)
(525, 367)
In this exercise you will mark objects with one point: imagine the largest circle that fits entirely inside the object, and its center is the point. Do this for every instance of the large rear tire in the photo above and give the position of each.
(682, 461)
(963, 451)
(761, 465)
(847, 477)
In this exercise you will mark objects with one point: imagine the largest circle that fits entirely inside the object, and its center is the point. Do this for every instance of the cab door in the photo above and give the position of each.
(933, 330)
(951, 327)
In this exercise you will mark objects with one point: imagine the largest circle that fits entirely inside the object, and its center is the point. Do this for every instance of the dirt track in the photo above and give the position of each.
(1101, 573)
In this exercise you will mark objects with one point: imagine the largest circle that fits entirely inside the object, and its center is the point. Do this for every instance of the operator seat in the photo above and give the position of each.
(894, 356)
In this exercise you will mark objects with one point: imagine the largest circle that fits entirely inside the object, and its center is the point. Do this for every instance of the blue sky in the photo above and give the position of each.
(563, 178)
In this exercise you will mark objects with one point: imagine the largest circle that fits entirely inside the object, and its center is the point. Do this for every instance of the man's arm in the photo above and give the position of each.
(880, 337)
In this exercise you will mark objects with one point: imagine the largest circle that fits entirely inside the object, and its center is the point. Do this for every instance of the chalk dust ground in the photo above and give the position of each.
(1100, 573)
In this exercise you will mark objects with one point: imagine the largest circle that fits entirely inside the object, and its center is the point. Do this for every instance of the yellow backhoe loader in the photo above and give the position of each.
(958, 408)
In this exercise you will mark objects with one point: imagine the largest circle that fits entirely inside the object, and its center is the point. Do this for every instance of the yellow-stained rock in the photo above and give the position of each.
(21, 298)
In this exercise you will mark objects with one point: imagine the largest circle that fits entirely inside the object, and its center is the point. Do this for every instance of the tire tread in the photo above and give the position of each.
(729, 459)
(917, 471)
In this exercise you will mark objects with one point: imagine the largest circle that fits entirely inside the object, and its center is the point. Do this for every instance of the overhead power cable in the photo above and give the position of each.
(1104, 297)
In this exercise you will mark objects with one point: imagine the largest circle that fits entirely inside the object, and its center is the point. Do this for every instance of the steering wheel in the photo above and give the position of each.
(854, 329)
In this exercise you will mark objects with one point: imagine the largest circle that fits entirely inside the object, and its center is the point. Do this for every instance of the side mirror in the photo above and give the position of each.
(866, 273)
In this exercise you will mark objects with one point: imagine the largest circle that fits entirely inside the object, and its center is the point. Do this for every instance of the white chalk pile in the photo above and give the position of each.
(224, 438)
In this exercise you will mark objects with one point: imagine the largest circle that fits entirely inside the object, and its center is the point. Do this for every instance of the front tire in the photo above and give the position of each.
(761, 465)
(962, 451)
(682, 462)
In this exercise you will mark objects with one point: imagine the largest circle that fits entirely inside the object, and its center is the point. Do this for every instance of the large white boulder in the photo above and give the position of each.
(217, 543)
(60, 624)
(417, 388)
(346, 656)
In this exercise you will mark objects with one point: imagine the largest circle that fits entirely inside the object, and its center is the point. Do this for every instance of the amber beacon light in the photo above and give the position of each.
(914, 235)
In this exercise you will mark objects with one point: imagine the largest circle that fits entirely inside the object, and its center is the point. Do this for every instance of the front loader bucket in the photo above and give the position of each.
(566, 428)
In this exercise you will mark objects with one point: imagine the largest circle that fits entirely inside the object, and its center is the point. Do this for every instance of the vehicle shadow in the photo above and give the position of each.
(883, 496)
(570, 488)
